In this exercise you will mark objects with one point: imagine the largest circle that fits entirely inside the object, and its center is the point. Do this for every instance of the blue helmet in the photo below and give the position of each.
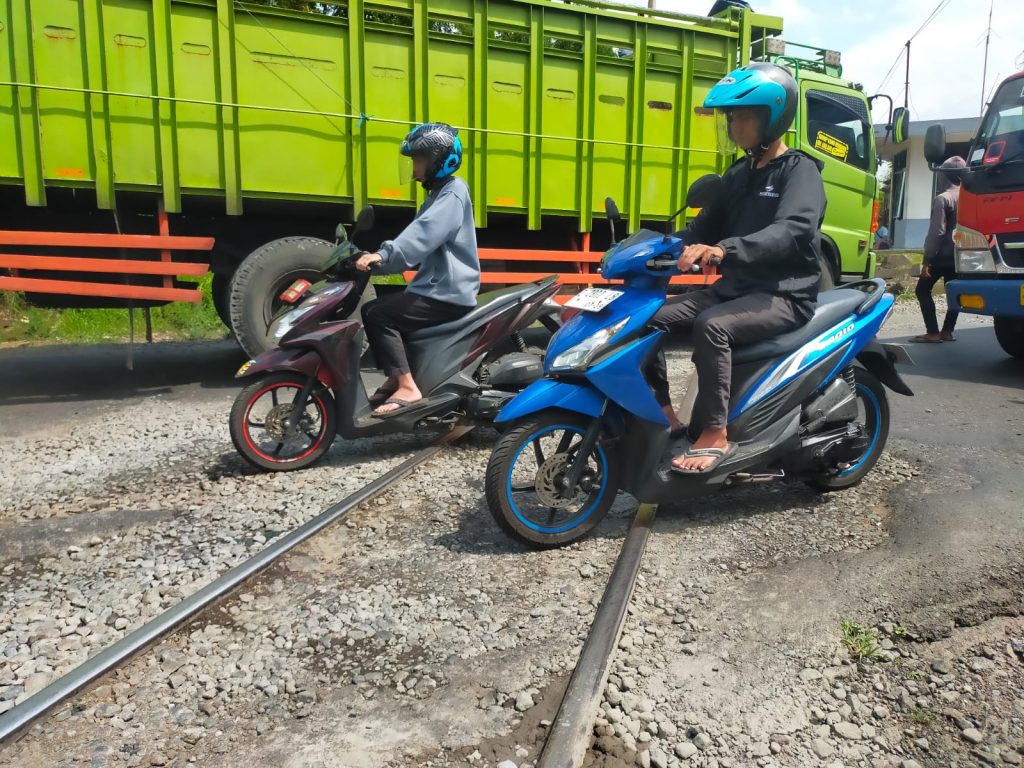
(440, 144)
(767, 86)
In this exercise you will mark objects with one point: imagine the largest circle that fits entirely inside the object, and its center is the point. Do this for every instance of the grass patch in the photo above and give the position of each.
(179, 321)
(921, 716)
(860, 641)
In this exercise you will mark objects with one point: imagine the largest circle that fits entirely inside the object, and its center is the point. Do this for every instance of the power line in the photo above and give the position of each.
(905, 50)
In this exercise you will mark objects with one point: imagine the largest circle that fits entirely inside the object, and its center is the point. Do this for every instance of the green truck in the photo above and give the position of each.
(153, 139)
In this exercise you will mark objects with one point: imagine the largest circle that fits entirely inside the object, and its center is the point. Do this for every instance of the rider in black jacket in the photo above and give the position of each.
(764, 232)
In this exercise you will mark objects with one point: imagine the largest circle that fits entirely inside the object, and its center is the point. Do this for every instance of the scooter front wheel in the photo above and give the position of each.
(262, 429)
(524, 481)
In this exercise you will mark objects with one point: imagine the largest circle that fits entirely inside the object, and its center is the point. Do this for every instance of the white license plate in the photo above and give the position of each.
(593, 299)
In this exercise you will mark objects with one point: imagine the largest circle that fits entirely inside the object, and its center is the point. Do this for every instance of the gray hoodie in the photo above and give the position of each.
(938, 243)
(441, 240)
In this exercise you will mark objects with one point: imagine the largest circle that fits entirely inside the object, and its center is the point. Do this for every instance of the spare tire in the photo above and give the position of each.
(259, 280)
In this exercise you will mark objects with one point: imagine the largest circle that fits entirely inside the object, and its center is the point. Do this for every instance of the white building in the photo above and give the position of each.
(913, 184)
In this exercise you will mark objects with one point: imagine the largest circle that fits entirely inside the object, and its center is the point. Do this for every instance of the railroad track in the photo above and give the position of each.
(39, 704)
(572, 730)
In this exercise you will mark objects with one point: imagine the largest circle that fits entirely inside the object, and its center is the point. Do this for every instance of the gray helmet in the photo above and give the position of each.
(440, 144)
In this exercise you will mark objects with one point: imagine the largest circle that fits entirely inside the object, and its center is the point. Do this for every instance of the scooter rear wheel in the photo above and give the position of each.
(260, 429)
(523, 476)
(873, 407)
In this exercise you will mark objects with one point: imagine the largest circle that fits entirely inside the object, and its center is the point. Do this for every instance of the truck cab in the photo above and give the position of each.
(989, 237)
(834, 125)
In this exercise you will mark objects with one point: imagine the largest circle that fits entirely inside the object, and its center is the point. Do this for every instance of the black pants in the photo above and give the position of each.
(388, 317)
(924, 298)
(718, 325)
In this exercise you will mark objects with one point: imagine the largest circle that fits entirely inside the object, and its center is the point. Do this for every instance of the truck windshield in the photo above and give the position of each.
(1001, 138)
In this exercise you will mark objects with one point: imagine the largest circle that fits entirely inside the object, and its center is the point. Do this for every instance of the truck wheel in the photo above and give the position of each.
(259, 281)
(1010, 335)
(825, 262)
(220, 292)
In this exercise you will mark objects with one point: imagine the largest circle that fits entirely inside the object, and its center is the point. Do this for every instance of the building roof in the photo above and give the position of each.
(957, 128)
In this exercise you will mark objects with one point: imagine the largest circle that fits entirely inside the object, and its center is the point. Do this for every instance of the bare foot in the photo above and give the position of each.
(405, 394)
(947, 336)
(709, 438)
(928, 338)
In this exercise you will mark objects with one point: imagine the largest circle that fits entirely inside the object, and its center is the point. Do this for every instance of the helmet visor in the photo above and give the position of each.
(405, 169)
(726, 145)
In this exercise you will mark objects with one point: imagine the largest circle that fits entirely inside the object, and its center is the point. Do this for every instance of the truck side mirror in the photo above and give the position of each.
(935, 145)
(900, 119)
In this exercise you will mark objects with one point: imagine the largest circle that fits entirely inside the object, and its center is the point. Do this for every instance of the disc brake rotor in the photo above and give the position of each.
(277, 421)
(548, 482)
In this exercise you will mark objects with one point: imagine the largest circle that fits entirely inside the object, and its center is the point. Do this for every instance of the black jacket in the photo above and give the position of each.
(768, 221)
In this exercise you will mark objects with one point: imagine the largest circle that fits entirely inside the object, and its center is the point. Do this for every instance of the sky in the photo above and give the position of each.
(945, 59)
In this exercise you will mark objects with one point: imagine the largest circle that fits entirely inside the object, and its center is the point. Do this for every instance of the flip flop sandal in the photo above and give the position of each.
(925, 340)
(402, 405)
(948, 341)
(379, 397)
(719, 454)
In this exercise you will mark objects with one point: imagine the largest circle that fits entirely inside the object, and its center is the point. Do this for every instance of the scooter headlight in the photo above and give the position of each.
(283, 325)
(580, 355)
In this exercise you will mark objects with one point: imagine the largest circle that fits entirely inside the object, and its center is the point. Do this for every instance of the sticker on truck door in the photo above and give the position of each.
(830, 145)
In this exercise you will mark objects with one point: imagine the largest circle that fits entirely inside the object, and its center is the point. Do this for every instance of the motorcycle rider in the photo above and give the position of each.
(441, 241)
(764, 231)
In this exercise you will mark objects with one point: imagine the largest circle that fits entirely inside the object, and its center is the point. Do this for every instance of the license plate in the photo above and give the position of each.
(593, 299)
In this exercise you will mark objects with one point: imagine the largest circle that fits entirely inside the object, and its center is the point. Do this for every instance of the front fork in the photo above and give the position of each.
(300, 403)
(571, 478)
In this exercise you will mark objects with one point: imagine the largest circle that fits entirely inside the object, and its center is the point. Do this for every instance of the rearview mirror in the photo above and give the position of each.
(935, 145)
(364, 220)
(705, 191)
(900, 119)
(612, 211)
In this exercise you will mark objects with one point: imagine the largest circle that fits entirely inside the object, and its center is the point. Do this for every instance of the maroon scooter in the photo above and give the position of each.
(312, 387)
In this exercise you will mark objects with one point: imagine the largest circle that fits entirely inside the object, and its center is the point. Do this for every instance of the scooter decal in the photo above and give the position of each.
(798, 362)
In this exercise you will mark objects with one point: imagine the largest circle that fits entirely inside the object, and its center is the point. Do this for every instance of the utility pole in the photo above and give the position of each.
(906, 83)
(984, 71)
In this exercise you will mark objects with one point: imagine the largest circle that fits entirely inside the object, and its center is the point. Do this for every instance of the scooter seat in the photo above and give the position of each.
(486, 304)
(832, 307)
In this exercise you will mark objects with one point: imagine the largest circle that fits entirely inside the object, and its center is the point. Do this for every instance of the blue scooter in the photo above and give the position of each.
(808, 405)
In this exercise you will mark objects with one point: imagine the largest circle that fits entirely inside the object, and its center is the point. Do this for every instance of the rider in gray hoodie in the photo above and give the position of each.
(441, 241)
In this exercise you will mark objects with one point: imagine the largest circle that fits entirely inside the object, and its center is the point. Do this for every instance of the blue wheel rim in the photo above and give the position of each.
(580, 517)
(874, 419)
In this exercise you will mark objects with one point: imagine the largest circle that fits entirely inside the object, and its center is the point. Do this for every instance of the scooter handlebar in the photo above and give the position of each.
(670, 264)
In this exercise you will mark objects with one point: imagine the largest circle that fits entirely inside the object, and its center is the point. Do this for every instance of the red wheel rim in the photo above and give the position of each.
(321, 408)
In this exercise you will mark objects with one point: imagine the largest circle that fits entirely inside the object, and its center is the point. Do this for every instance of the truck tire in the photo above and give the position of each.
(1010, 335)
(259, 281)
(220, 292)
(826, 261)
